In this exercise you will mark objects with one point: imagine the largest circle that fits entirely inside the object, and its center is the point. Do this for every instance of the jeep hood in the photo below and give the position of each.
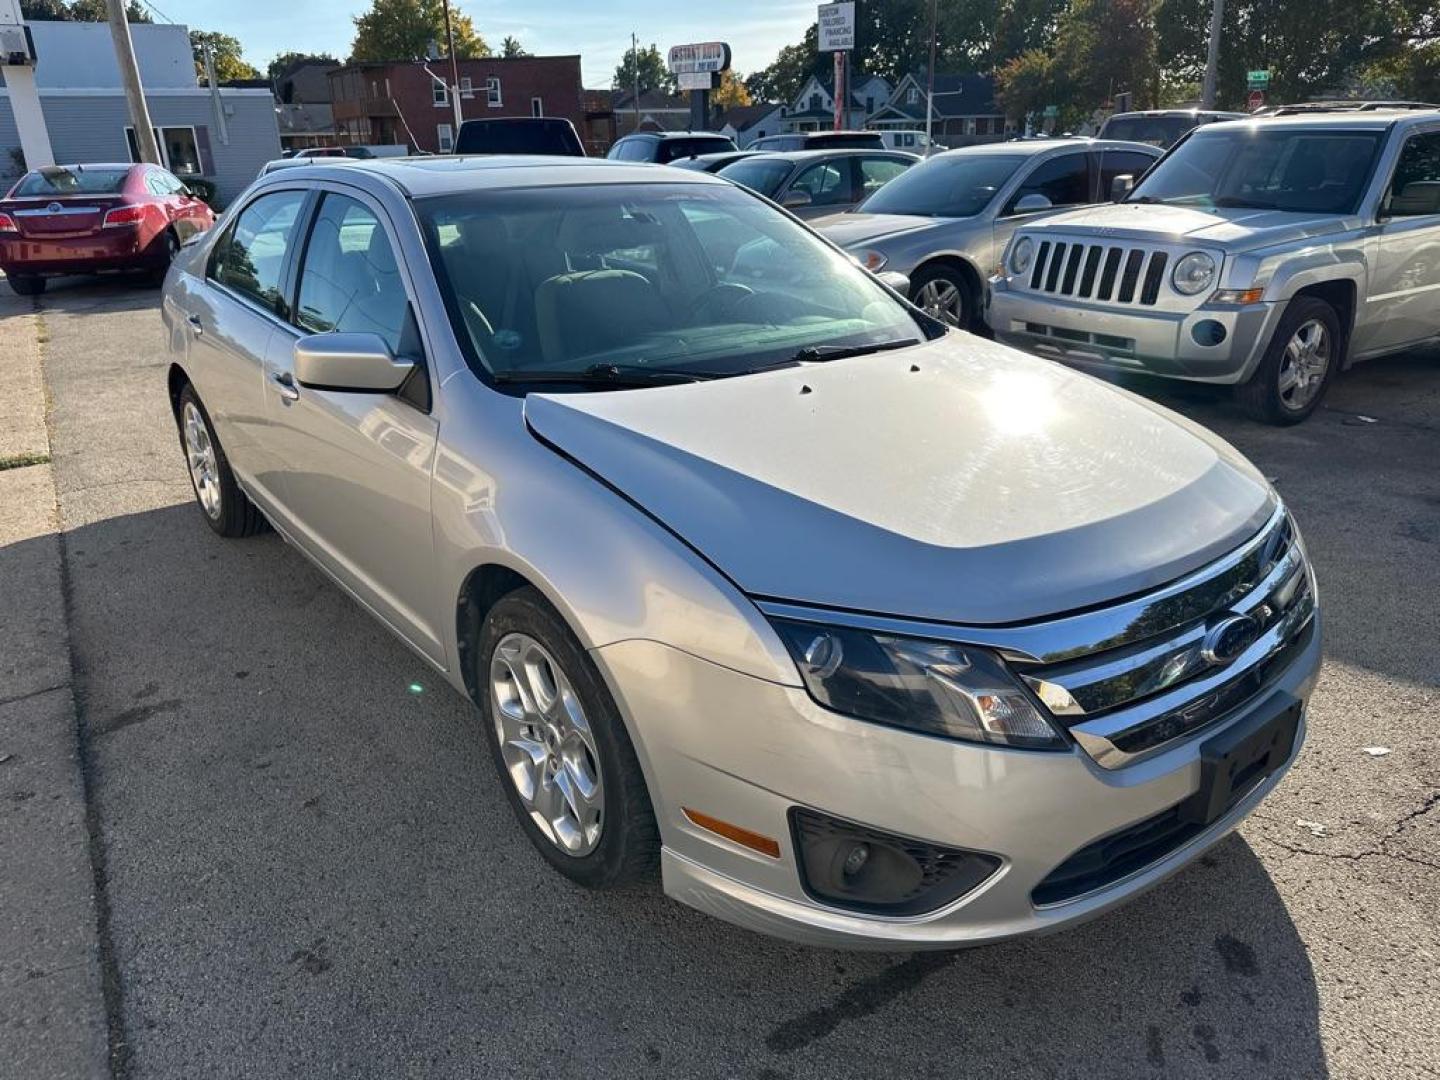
(1233, 228)
(985, 487)
(847, 230)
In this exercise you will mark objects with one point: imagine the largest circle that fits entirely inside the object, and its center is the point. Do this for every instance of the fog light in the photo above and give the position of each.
(860, 869)
(1208, 332)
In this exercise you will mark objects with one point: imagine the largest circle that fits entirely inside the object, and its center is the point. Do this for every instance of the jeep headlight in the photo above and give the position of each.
(1194, 273)
(931, 687)
(1021, 256)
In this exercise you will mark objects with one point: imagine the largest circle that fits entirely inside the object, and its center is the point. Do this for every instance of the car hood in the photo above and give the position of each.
(1233, 228)
(847, 230)
(957, 481)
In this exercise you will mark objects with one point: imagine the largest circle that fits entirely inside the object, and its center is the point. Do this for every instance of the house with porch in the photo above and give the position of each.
(814, 106)
(965, 111)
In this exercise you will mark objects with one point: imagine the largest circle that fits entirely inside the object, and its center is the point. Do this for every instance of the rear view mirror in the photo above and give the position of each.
(357, 362)
(1032, 203)
(795, 199)
(1121, 186)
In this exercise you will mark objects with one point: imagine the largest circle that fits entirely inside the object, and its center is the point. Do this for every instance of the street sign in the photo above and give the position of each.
(1258, 80)
(837, 27)
(704, 58)
(698, 80)
(1256, 100)
(1052, 111)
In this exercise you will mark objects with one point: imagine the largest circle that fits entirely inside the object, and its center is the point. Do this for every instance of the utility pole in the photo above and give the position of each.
(930, 89)
(454, 68)
(130, 76)
(635, 70)
(1212, 63)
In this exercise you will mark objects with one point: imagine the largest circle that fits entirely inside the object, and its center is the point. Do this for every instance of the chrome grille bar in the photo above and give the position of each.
(1098, 271)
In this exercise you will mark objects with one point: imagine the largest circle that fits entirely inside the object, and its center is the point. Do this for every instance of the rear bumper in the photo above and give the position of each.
(122, 249)
(1151, 341)
(747, 751)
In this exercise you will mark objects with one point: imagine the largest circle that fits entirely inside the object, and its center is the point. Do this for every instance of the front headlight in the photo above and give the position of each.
(1022, 255)
(933, 687)
(871, 260)
(1193, 273)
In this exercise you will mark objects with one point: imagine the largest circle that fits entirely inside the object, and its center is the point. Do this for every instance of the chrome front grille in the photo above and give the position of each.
(1116, 273)
(1187, 658)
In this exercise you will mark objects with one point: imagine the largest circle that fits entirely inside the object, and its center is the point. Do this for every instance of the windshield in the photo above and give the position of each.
(1161, 131)
(700, 279)
(539, 136)
(1305, 170)
(954, 185)
(670, 149)
(762, 176)
(92, 181)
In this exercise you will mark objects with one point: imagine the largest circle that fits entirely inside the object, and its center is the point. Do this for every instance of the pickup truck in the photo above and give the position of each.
(1262, 254)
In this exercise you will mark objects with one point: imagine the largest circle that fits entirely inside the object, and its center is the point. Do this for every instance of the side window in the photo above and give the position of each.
(1064, 180)
(875, 173)
(251, 258)
(1115, 163)
(828, 184)
(350, 281)
(1415, 190)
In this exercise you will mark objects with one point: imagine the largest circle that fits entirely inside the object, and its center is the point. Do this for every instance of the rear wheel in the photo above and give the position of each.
(168, 247)
(945, 293)
(1298, 366)
(227, 509)
(26, 284)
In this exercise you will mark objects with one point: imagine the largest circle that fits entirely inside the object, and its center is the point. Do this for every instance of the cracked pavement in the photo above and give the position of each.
(310, 870)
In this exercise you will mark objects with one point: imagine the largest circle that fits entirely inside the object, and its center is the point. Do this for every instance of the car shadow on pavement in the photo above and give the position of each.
(96, 292)
(312, 868)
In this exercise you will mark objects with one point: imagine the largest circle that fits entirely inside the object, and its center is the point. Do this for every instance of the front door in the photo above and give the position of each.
(1403, 300)
(356, 484)
(1066, 181)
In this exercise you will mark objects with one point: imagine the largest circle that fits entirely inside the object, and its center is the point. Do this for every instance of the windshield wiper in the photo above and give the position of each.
(818, 354)
(604, 375)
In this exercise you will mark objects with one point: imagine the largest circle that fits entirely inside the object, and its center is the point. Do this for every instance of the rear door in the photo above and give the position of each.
(1403, 303)
(356, 467)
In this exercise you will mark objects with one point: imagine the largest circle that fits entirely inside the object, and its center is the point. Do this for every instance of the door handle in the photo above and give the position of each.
(286, 384)
(196, 326)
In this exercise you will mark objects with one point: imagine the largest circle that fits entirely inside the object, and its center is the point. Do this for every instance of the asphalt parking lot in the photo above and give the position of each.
(307, 868)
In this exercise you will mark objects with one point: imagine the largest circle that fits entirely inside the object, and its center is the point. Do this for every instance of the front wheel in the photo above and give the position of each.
(560, 746)
(945, 293)
(1298, 366)
(26, 284)
(227, 509)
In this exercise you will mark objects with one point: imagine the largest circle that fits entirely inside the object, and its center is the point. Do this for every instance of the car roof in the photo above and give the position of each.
(448, 174)
(664, 135)
(1377, 120)
(1029, 147)
(831, 152)
(1175, 112)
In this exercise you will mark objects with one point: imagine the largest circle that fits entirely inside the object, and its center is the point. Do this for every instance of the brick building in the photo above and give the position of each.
(397, 103)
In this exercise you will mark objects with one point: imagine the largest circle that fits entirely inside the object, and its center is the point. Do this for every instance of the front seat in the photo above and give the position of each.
(591, 311)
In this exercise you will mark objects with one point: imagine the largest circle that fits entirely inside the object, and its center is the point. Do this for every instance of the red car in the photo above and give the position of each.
(85, 219)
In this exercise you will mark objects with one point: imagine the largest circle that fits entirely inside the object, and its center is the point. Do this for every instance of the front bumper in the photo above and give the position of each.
(745, 751)
(1134, 338)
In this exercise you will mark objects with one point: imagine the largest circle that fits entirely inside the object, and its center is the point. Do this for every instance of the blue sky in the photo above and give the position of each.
(599, 30)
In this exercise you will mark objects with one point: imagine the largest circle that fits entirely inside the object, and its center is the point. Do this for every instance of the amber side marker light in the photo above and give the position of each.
(734, 833)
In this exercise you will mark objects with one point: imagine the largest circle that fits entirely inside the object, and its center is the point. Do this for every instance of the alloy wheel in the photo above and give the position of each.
(943, 300)
(1304, 364)
(200, 454)
(546, 742)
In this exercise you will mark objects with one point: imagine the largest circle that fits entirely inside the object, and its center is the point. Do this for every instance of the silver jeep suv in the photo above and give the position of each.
(1264, 254)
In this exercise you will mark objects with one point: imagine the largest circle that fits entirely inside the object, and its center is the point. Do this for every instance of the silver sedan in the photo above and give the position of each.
(867, 632)
(945, 223)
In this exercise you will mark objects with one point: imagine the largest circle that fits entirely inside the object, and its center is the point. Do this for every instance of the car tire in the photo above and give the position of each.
(25, 284)
(225, 508)
(168, 246)
(1299, 364)
(946, 293)
(540, 695)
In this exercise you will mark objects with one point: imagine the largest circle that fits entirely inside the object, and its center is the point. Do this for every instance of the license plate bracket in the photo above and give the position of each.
(1239, 758)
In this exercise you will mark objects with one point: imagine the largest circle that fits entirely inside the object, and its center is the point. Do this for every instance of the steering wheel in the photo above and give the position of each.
(719, 300)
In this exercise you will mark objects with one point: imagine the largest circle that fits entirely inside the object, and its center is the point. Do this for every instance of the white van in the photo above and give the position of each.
(916, 142)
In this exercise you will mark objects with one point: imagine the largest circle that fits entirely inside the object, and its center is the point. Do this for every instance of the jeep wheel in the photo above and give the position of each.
(1298, 365)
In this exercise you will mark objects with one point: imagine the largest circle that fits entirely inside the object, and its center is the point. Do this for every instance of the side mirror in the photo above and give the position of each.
(1033, 203)
(357, 362)
(1121, 186)
(895, 280)
(795, 199)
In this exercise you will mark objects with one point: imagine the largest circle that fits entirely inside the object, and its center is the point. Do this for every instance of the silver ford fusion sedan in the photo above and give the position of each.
(869, 632)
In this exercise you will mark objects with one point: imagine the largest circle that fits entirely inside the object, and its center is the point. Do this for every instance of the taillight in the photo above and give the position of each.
(123, 215)
(7, 223)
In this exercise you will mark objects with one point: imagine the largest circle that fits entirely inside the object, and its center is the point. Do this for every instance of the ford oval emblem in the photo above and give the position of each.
(1229, 638)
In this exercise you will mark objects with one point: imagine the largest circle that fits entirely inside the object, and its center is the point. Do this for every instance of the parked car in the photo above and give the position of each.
(91, 219)
(1306, 107)
(663, 147)
(913, 142)
(328, 152)
(820, 140)
(1263, 255)
(944, 223)
(816, 183)
(713, 162)
(871, 634)
(1162, 127)
(549, 136)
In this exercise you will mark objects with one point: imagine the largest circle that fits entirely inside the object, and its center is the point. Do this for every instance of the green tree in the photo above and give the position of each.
(286, 60)
(405, 30)
(93, 11)
(650, 66)
(229, 63)
(510, 48)
(44, 11)
(782, 80)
